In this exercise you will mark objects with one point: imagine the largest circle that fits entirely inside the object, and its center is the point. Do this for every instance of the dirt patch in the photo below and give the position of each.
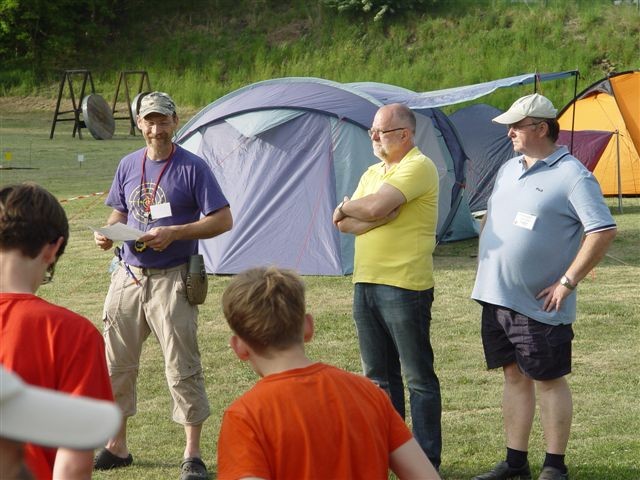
(289, 33)
(44, 104)
(27, 104)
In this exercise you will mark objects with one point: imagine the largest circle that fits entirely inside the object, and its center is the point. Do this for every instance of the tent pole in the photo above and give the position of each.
(619, 175)
(573, 113)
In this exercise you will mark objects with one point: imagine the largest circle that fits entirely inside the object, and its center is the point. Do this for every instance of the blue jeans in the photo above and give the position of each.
(393, 332)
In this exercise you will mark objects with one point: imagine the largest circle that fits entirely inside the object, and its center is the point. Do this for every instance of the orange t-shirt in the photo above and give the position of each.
(51, 347)
(314, 422)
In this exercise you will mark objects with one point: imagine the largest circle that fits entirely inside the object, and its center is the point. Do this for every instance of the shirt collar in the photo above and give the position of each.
(552, 159)
(556, 155)
(381, 164)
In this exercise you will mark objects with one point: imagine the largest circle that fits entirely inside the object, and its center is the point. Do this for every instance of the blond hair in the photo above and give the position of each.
(265, 307)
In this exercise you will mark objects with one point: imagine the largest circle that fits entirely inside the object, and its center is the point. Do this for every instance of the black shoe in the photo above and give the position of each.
(105, 460)
(502, 471)
(552, 473)
(193, 468)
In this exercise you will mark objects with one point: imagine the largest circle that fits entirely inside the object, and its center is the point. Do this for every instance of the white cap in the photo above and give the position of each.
(534, 105)
(54, 419)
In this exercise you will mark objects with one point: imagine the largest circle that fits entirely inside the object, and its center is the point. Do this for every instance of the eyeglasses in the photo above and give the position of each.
(48, 274)
(374, 132)
(519, 128)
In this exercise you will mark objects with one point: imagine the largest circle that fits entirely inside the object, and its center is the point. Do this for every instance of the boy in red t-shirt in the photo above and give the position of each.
(303, 419)
(45, 344)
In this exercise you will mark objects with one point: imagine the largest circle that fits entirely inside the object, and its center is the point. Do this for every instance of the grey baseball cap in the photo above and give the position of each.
(534, 105)
(157, 102)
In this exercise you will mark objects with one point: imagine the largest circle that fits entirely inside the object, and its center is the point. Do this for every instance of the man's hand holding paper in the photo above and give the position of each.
(118, 232)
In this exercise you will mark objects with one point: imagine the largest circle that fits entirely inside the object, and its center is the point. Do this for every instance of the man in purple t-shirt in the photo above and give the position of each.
(172, 196)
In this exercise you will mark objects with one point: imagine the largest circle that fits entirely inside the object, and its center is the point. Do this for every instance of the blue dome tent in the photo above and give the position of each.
(286, 151)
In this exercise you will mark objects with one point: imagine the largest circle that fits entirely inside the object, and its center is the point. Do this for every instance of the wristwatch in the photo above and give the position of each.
(565, 282)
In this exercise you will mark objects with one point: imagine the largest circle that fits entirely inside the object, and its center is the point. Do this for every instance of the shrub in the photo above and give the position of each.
(379, 8)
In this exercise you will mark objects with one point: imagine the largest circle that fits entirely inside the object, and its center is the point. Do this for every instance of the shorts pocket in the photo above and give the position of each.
(559, 334)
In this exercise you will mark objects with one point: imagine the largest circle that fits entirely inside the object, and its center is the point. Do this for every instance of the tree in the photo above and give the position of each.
(33, 33)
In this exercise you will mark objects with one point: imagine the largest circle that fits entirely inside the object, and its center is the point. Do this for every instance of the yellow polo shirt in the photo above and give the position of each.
(399, 253)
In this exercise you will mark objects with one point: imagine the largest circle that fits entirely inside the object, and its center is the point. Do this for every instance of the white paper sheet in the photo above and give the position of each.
(119, 232)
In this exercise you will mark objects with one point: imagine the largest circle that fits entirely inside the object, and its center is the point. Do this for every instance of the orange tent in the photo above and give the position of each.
(611, 105)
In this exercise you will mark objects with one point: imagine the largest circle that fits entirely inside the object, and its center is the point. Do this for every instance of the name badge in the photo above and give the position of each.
(525, 220)
(161, 210)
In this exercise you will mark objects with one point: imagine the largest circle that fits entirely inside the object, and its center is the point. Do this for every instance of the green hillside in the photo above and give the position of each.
(200, 50)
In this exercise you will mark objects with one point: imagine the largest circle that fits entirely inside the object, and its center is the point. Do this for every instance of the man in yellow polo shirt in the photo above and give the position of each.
(393, 213)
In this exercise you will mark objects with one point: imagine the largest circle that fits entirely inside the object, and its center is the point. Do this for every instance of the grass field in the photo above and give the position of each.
(605, 443)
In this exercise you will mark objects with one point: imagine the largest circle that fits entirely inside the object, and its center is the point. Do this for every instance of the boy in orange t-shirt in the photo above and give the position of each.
(303, 419)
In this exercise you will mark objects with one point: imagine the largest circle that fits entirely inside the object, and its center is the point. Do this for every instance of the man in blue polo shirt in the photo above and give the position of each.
(531, 258)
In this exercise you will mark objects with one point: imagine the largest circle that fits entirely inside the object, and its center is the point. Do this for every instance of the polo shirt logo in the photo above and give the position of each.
(539, 189)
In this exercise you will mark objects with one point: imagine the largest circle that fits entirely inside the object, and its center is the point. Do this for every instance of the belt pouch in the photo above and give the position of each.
(197, 280)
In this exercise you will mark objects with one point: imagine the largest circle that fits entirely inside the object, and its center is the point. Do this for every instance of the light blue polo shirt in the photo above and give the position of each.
(536, 219)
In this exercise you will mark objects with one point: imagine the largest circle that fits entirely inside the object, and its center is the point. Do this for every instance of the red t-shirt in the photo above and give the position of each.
(51, 347)
(314, 422)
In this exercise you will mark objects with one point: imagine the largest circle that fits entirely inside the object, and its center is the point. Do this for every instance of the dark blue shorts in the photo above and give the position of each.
(542, 351)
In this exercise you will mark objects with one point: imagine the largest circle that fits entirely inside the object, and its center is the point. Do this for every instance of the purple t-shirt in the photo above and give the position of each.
(187, 185)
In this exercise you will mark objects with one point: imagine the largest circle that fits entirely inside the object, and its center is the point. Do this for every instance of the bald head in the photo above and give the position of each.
(401, 114)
